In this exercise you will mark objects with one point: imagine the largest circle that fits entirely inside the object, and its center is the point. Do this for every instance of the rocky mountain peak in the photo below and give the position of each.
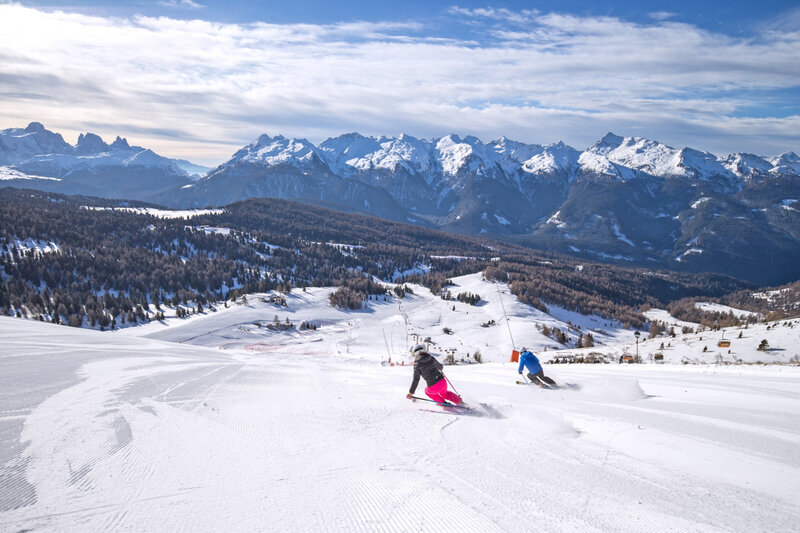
(89, 143)
(608, 142)
(120, 144)
(35, 127)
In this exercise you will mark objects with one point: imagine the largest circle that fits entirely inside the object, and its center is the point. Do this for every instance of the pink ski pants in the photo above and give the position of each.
(438, 393)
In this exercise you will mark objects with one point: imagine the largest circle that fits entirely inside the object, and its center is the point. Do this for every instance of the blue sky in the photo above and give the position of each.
(198, 79)
(732, 16)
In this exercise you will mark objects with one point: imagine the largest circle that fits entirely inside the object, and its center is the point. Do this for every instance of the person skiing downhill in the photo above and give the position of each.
(535, 372)
(431, 370)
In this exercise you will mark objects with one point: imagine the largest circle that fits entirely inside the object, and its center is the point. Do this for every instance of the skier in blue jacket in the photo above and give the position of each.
(535, 372)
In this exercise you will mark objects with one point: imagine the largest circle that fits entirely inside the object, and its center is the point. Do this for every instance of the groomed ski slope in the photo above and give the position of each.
(214, 424)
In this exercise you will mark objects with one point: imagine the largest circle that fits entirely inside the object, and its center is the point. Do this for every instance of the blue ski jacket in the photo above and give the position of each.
(527, 359)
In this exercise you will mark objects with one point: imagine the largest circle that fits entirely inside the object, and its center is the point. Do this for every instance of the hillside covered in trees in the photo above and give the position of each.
(77, 261)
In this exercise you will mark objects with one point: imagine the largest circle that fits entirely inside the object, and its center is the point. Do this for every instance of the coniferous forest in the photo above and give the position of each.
(63, 262)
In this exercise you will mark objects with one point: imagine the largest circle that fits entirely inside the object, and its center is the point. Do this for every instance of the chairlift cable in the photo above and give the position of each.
(508, 323)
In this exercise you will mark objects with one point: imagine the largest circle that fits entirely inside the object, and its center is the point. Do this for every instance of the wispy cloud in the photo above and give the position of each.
(787, 22)
(546, 77)
(180, 3)
(501, 14)
(661, 15)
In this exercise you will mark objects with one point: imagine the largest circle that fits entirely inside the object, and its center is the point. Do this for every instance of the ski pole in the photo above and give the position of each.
(423, 399)
(445, 404)
(448, 381)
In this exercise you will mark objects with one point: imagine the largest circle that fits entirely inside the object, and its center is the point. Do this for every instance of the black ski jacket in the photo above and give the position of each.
(427, 367)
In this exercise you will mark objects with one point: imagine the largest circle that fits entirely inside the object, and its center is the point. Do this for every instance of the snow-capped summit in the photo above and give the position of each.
(270, 151)
(596, 162)
(353, 153)
(698, 164)
(786, 163)
(348, 147)
(746, 166)
(453, 153)
(408, 152)
(619, 155)
(552, 158)
(514, 150)
(609, 142)
(645, 155)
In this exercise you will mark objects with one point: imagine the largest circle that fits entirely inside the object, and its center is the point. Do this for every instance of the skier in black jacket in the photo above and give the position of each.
(431, 370)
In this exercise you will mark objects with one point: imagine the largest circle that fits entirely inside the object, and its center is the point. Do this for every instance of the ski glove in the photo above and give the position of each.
(409, 396)
(520, 373)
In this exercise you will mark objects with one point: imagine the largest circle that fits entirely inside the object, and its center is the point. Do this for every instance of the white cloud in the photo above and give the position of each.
(201, 89)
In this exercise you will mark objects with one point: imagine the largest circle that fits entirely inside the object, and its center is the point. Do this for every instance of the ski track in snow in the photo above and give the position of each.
(104, 431)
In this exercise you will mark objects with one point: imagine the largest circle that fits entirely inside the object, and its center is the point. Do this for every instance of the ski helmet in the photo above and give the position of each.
(417, 348)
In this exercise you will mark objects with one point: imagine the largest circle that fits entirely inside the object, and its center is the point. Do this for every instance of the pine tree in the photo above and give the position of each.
(588, 342)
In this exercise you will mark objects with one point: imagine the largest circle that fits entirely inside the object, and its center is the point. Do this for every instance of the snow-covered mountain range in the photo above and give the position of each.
(629, 200)
(91, 166)
(499, 187)
(450, 163)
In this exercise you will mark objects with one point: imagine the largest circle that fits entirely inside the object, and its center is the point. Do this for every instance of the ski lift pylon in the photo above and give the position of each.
(723, 342)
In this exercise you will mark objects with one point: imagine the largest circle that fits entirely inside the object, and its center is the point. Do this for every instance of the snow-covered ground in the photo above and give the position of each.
(731, 345)
(8, 173)
(160, 213)
(38, 247)
(219, 423)
(388, 325)
(719, 308)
